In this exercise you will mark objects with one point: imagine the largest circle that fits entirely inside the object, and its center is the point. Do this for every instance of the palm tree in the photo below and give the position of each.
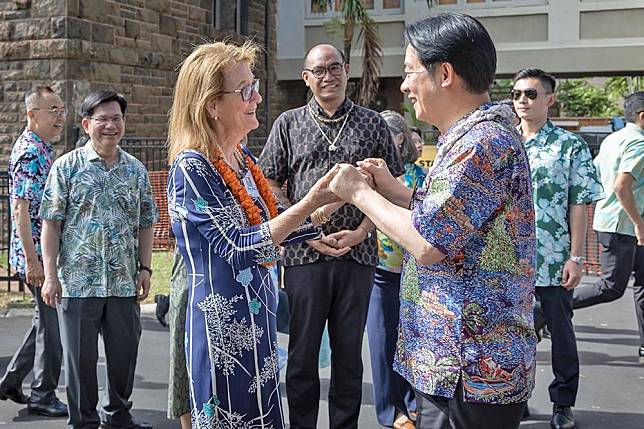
(353, 11)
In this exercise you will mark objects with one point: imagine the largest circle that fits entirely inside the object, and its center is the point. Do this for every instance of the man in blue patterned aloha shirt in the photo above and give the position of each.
(30, 161)
(466, 340)
(98, 213)
(564, 182)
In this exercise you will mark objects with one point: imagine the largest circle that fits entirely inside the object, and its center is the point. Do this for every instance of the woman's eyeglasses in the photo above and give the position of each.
(246, 92)
(530, 93)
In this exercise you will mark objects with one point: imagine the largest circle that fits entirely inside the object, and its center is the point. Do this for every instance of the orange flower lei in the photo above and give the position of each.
(253, 213)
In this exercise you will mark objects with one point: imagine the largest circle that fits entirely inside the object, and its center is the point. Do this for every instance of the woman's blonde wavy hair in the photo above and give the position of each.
(201, 80)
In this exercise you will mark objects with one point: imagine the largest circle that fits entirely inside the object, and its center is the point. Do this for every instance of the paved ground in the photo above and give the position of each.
(611, 390)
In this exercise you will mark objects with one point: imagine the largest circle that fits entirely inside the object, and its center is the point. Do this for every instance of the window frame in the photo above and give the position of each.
(377, 10)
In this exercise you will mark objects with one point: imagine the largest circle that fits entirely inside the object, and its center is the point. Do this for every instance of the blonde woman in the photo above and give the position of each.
(228, 226)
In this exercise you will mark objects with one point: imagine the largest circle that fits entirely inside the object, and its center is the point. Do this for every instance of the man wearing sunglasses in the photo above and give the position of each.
(29, 165)
(564, 182)
(328, 279)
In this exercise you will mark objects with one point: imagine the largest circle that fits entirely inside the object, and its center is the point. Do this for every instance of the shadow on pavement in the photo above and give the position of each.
(595, 419)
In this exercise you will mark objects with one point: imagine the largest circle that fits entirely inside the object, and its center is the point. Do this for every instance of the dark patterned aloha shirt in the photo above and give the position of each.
(469, 316)
(297, 153)
(101, 212)
(563, 174)
(29, 164)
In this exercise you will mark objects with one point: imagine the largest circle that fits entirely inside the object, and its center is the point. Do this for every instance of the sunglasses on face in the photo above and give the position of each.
(320, 72)
(530, 93)
(246, 92)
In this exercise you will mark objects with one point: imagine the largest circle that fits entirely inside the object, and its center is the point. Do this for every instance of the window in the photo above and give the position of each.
(230, 15)
(334, 8)
(486, 3)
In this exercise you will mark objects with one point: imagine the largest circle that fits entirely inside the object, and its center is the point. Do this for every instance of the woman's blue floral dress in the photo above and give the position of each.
(231, 342)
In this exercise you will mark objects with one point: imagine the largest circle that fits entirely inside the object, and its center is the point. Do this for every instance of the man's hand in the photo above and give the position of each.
(35, 273)
(639, 233)
(328, 245)
(347, 181)
(571, 275)
(51, 291)
(142, 285)
(382, 178)
(348, 238)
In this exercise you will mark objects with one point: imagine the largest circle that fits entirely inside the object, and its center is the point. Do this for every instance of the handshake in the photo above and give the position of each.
(347, 183)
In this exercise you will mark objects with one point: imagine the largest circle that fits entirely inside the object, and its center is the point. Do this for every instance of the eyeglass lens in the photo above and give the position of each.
(247, 91)
(334, 69)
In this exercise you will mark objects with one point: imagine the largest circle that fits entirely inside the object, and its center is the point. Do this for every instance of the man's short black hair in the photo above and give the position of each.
(338, 50)
(96, 98)
(547, 81)
(457, 39)
(633, 104)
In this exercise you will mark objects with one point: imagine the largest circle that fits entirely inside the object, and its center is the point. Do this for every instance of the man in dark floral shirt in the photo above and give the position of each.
(29, 165)
(328, 279)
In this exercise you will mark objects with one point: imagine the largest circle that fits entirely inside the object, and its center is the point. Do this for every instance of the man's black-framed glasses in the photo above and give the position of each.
(57, 111)
(246, 91)
(319, 72)
(531, 93)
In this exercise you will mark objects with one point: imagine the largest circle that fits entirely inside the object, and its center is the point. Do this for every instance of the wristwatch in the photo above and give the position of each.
(144, 268)
(578, 259)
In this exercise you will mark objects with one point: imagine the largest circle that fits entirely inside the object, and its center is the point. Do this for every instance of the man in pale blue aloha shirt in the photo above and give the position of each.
(564, 182)
(618, 218)
(98, 212)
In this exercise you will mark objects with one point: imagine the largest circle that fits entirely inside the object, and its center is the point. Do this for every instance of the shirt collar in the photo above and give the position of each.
(33, 137)
(93, 156)
(542, 134)
(632, 127)
(461, 123)
(344, 108)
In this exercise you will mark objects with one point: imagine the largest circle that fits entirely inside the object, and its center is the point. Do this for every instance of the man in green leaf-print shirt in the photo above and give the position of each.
(98, 214)
(564, 182)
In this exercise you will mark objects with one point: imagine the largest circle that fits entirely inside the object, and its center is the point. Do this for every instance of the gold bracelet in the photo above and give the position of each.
(320, 217)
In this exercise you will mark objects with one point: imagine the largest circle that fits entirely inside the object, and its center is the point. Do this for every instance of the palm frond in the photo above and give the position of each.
(371, 61)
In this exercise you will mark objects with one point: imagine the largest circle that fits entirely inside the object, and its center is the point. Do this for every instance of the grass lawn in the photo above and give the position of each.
(162, 267)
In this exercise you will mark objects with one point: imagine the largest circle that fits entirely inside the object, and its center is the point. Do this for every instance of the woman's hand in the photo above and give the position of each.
(320, 194)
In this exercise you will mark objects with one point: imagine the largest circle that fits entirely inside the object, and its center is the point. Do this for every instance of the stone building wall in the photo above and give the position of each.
(132, 46)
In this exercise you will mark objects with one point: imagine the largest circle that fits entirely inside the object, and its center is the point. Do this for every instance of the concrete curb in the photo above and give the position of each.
(22, 312)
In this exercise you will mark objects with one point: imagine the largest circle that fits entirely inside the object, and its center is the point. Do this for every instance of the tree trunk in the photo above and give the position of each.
(349, 26)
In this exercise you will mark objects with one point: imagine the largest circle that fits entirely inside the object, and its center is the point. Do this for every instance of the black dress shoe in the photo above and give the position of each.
(55, 408)
(640, 354)
(163, 306)
(14, 394)
(562, 418)
(133, 424)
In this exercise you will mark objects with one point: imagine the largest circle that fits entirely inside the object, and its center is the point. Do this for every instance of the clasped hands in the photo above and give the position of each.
(344, 182)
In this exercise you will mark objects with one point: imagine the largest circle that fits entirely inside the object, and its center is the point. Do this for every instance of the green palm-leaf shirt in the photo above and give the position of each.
(563, 174)
(102, 211)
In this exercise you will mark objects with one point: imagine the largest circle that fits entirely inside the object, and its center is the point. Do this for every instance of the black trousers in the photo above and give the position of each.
(620, 256)
(118, 320)
(41, 351)
(455, 413)
(554, 303)
(337, 291)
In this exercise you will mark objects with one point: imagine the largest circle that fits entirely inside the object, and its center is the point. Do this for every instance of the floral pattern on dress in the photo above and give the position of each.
(469, 316)
(101, 212)
(563, 174)
(231, 326)
(29, 164)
